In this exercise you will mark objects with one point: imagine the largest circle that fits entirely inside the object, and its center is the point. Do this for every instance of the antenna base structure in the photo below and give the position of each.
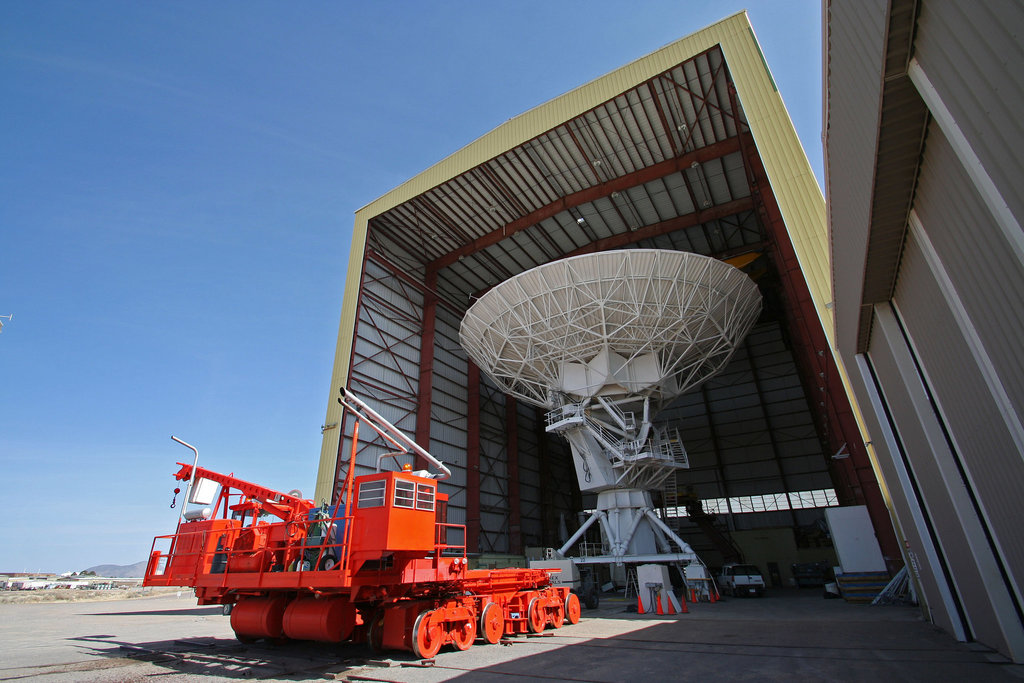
(604, 341)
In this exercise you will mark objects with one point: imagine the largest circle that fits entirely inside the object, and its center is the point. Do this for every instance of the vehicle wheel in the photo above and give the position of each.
(375, 635)
(492, 623)
(557, 615)
(572, 608)
(427, 636)
(536, 620)
(464, 634)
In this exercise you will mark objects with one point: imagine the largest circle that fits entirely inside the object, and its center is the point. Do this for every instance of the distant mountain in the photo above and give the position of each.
(119, 571)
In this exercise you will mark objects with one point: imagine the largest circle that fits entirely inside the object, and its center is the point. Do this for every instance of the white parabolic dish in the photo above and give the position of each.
(618, 324)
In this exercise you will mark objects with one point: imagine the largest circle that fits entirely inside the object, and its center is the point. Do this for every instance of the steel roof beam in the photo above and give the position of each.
(575, 199)
(663, 227)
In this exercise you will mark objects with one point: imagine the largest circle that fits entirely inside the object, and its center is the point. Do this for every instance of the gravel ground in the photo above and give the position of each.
(80, 595)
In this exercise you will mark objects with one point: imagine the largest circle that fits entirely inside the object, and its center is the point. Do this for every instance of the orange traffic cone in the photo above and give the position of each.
(669, 607)
(660, 610)
(683, 609)
(693, 595)
(639, 605)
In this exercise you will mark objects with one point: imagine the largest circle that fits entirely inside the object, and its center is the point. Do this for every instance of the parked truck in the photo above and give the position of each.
(741, 579)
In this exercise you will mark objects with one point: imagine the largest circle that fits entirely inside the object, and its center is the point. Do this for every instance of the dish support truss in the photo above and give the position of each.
(622, 459)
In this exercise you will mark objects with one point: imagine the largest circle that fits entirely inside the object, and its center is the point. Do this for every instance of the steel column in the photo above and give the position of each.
(473, 458)
(426, 383)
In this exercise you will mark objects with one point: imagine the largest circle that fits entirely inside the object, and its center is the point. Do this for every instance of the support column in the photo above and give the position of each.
(426, 379)
(473, 458)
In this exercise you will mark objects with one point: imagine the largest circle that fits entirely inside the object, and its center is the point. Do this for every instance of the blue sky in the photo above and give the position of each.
(177, 186)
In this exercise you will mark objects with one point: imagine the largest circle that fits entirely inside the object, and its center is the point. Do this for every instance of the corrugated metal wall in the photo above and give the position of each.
(927, 379)
(448, 410)
(973, 53)
(748, 430)
(531, 481)
(988, 282)
(386, 353)
(857, 34)
(495, 519)
(969, 316)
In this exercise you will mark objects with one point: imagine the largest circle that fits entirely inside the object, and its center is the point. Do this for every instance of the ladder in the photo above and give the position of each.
(632, 585)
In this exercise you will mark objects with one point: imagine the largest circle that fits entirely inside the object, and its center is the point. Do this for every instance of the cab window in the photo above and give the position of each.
(371, 494)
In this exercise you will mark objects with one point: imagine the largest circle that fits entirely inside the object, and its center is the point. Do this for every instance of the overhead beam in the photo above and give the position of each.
(656, 229)
(570, 201)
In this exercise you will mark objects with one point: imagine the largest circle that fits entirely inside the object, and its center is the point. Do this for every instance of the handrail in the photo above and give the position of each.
(388, 431)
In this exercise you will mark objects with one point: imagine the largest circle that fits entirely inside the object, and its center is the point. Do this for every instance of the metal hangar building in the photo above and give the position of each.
(689, 148)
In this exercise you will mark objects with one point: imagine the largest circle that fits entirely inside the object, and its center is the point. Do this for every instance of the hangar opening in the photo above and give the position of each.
(687, 149)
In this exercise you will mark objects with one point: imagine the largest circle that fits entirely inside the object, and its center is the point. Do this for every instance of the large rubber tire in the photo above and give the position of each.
(572, 608)
(427, 637)
(492, 623)
(536, 619)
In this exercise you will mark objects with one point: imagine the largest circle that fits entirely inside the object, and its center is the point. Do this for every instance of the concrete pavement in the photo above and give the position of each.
(787, 635)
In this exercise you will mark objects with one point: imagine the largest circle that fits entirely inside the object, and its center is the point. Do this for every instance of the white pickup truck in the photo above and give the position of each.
(741, 579)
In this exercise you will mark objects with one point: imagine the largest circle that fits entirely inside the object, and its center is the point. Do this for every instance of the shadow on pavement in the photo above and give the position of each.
(222, 658)
(685, 647)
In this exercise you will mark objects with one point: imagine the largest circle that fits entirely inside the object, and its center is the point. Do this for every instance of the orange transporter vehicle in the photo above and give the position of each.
(375, 566)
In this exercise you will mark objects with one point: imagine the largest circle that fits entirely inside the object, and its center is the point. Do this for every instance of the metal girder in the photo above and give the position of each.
(633, 559)
(426, 384)
(473, 458)
(704, 100)
(573, 200)
(655, 97)
(671, 225)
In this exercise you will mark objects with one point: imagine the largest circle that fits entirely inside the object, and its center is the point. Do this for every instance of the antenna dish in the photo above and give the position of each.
(603, 341)
(636, 323)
